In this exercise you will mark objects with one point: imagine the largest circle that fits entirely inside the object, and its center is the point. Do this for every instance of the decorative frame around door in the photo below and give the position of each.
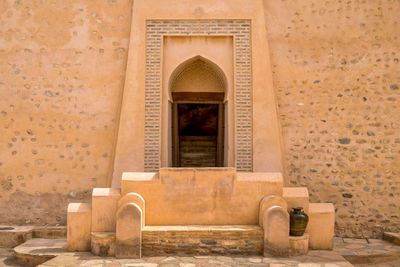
(240, 30)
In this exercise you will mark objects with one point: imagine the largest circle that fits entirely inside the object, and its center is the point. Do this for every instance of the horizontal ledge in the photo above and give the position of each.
(201, 228)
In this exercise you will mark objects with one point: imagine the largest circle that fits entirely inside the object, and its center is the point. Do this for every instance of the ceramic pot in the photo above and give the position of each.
(298, 221)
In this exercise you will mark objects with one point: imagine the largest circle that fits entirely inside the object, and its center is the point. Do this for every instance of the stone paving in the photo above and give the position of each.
(368, 252)
(315, 258)
(6, 258)
(360, 252)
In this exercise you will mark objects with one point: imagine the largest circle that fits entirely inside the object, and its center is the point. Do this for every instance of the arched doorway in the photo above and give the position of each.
(197, 90)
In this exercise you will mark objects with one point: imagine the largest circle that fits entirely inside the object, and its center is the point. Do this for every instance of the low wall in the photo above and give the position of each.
(205, 196)
(202, 240)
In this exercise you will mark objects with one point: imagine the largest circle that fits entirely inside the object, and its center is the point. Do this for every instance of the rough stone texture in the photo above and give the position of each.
(62, 71)
(129, 232)
(298, 245)
(202, 240)
(38, 250)
(369, 252)
(392, 237)
(11, 236)
(39, 209)
(313, 259)
(375, 252)
(50, 232)
(276, 231)
(335, 71)
(103, 244)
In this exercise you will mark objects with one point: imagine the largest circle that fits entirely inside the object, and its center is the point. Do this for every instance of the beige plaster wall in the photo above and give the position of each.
(336, 76)
(62, 68)
(205, 196)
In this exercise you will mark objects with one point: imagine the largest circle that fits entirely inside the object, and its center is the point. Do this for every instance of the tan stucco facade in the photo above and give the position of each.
(266, 144)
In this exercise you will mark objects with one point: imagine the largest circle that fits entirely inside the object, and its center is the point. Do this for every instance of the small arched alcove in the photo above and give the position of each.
(197, 92)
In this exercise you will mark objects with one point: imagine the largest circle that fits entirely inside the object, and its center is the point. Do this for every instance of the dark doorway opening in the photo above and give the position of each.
(198, 135)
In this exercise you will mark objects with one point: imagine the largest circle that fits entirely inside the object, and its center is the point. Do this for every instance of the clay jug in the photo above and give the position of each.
(298, 221)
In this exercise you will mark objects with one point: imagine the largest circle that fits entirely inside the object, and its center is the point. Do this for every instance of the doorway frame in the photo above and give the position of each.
(226, 98)
(175, 144)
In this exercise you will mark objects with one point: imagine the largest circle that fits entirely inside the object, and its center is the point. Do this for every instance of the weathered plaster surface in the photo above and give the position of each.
(62, 68)
(336, 75)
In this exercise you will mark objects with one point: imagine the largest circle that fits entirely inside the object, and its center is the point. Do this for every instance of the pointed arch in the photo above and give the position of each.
(198, 74)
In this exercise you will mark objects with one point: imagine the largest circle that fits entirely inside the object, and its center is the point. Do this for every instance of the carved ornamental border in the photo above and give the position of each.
(240, 30)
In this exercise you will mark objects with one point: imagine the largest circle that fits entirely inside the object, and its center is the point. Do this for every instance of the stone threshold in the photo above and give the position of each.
(357, 251)
(202, 240)
(39, 250)
(52, 252)
(201, 228)
(392, 237)
(367, 251)
(192, 240)
(11, 236)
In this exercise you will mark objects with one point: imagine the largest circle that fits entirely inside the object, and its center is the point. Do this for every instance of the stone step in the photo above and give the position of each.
(11, 236)
(61, 257)
(197, 138)
(103, 244)
(202, 164)
(198, 155)
(39, 250)
(298, 245)
(197, 143)
(197, 149)
(190, 240)
(296, 197)
(392, 237)
(50, 232)
(202, 240)
(374, 252)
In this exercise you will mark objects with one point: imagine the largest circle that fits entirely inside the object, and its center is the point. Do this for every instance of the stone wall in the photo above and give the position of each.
(62, 70)
(201, 240)
(336, 75)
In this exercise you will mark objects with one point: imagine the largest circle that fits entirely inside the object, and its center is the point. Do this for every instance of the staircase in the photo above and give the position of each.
(197, 211)
(198, 151)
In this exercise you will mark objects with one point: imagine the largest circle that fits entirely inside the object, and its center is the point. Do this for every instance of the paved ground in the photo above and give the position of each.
(6, 258)
(315, 258)
(368, 252)
(361, 252)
